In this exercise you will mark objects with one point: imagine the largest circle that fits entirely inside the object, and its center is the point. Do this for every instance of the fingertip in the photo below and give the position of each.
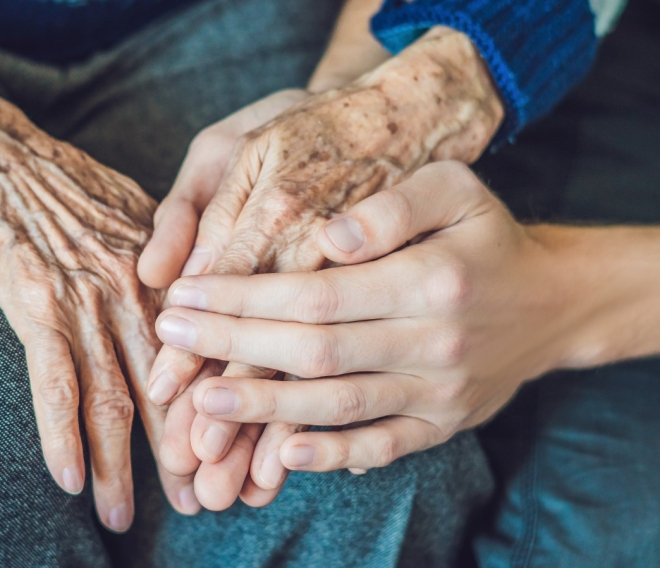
(120, 518)
(199, 260)
(153, 267)
(179, 491)
(189, 504)
(254, 496)
(213, 487)
(341, 239)
(163, 388)
(299, 454)
(271, 473)
(211, 441)
(73, 480)
(199, 394)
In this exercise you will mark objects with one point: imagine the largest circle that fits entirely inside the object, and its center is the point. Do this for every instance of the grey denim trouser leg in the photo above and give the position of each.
(136, 108)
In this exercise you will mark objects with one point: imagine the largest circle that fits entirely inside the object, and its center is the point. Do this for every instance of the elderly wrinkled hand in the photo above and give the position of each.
(71, 231)
(413, 345)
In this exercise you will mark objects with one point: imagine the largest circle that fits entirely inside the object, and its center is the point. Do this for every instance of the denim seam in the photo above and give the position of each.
(522, 551)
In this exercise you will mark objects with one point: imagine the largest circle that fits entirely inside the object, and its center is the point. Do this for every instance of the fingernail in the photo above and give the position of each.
(177, 332)
(357, 470)
(214, 441)
(220, 401)
(164, 388)
(346, 234)
(199, 259)
(272, 471)
(189, 297)
(72, 478)
(119, 519)
(188, 500)
(301, 456)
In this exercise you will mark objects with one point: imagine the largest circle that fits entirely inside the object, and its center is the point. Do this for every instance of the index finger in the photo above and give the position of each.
(381, 289)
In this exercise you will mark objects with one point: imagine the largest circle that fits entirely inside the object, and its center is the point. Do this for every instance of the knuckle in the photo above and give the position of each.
(223, 345)
(318, 302)
(451, 392)
(341, 454)
(447, 429)
(319, 355)
(455, 349)
(386, 450)
(347, 404)
(447, 289)
(61, 441)
(448, 349)
(268, 406)
(110, 410)
(400, 209)
(59, 394)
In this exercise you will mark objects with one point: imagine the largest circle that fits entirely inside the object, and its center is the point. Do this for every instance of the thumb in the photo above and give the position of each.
(198, 180)
(436, 197)
(177, 216)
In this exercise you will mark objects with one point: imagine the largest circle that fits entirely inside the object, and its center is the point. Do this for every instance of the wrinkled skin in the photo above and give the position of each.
(284, 181)
(71, 231)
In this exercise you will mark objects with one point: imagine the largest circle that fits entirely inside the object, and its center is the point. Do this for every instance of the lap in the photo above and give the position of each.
(413, 513)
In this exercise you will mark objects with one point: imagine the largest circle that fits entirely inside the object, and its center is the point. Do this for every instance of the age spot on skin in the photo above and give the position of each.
(392, 127)
(319, 156)
(302, 165)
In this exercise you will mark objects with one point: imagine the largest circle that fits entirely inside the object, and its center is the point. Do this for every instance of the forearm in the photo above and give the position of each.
(611, 282)
(352, 50)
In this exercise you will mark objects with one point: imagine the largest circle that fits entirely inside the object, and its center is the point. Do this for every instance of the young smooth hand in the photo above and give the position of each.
(409, 345)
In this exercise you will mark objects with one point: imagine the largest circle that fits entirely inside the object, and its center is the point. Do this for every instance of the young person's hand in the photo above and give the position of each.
(413, 345)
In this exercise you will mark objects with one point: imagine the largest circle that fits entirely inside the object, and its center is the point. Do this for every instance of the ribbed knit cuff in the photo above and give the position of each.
(536, 49)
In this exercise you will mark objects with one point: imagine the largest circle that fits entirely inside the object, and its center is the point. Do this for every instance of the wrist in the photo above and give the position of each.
(353, 50)
(442, 96)
(604, 282)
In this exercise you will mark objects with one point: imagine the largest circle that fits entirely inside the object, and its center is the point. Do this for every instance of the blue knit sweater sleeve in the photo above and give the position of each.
(536, 49)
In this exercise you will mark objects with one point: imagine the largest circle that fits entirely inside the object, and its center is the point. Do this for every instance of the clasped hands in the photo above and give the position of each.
(408, 345)
(281, 186)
